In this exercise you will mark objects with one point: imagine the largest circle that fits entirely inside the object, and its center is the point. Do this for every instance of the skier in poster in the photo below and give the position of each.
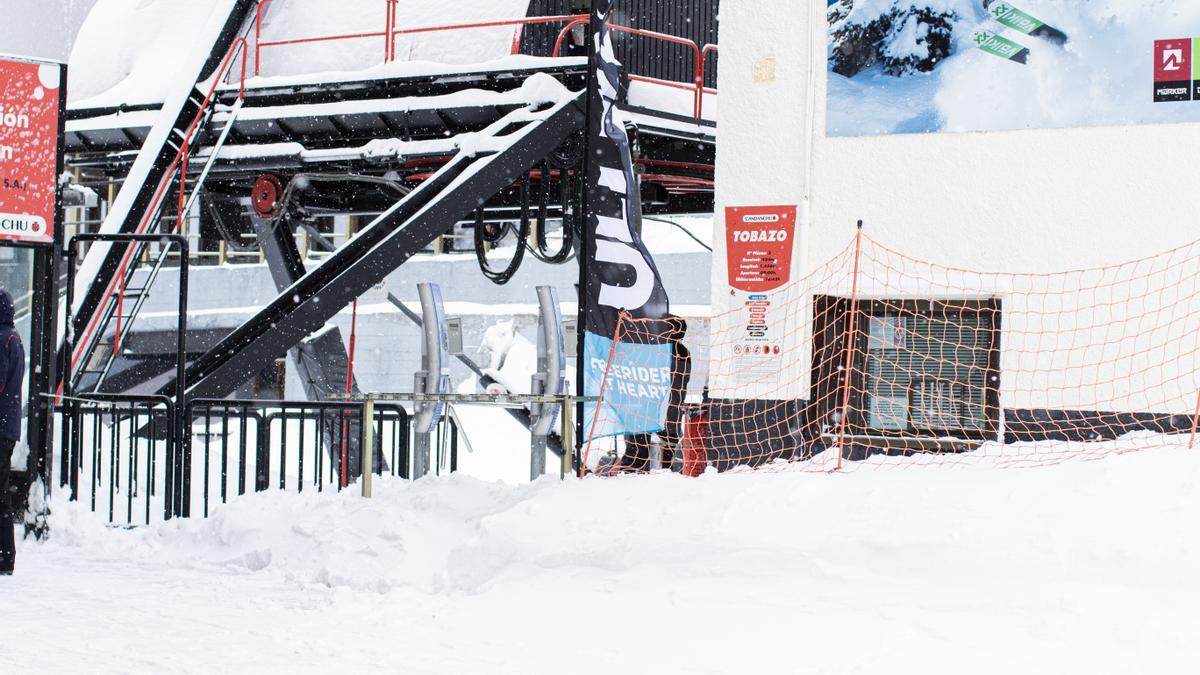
(12, 375)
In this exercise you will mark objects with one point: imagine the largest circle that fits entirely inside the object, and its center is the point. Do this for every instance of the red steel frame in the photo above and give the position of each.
(699, 60)
(390, 32)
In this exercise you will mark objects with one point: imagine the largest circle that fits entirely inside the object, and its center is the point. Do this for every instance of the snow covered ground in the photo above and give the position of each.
(1082, 567)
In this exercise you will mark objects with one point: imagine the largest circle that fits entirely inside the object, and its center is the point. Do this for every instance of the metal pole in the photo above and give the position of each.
(367, 445)
(181, 422)
(584, 242)
(851, 338)
(43, 334)
(68, 405)
(568, 429)
(1195, 423)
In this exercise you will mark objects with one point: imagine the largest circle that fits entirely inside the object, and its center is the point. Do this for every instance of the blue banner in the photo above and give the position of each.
(634, 388)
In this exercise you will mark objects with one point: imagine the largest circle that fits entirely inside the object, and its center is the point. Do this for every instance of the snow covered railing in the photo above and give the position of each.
(175, 175)
(699, 60)
(390, 33)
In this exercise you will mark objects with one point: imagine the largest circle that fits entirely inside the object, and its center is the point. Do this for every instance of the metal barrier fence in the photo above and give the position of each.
(121, 446)
(288, 445)
(141, 460)
(118, 453)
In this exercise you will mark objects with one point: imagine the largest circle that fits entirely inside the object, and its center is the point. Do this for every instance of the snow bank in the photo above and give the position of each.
(1083, 567)
(129, 51)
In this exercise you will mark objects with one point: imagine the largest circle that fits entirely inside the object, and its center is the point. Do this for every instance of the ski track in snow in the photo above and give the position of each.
(1081, 567)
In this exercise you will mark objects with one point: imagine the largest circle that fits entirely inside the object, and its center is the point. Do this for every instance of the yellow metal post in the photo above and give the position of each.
(368, 446)
(567, 436)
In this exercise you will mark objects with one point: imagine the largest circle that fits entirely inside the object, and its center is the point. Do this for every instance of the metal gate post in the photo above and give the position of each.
(568, 431)
(434, 377)
(550, 379)
(178, 471)
(368, 445)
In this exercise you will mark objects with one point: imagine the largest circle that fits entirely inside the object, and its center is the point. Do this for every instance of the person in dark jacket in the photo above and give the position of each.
(638, 446)
(12, 377)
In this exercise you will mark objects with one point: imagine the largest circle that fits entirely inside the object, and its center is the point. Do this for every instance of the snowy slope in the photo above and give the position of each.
(1080, 568)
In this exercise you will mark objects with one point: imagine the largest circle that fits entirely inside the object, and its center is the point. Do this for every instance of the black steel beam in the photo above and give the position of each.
(397, 235)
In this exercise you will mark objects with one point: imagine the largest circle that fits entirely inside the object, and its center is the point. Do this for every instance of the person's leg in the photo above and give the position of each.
(8, 547)
(637, 452)
(668, 442)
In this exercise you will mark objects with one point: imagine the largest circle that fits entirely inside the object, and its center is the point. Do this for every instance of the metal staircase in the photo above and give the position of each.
(104, 283)
(132, 291)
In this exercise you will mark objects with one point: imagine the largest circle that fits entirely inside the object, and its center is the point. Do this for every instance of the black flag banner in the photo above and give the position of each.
(620, 273)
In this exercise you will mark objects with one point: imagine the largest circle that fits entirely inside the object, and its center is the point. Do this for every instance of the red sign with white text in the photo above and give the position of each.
(29, 149)
(758, 245)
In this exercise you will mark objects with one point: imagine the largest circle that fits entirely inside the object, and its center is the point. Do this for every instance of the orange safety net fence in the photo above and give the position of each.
(879, 359)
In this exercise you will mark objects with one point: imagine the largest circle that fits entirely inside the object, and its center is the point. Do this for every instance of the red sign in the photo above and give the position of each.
(29, 149)
(758, 245)
(1173, 60)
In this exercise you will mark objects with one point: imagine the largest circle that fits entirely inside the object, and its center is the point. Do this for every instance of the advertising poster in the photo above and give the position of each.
(29, 148)
(925, 66)
(758, 248)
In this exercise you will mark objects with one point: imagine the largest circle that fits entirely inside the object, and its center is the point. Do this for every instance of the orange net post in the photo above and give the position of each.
(879, 359)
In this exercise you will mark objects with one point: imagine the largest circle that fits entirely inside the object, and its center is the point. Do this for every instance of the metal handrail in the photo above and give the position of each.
(698, 60)
(390, 32)
(152, 213)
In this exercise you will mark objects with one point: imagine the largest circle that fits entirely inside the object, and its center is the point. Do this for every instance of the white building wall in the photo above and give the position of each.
(1022, 201)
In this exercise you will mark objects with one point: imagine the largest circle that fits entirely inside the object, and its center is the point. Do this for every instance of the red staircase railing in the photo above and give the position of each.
(115, 292)
(698, 61)
(390, 32)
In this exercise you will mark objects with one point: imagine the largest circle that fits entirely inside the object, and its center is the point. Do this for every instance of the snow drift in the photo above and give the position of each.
(128, 51)
(1083, 567)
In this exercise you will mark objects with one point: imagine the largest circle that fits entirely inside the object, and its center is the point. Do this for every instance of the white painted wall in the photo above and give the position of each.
(1021, 201)
(763, 158)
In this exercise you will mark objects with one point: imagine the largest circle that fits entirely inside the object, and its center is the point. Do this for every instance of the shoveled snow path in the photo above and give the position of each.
(1084, 567)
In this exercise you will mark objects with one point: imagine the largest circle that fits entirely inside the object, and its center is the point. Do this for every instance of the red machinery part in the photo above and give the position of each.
(694, 445)
(265, 196)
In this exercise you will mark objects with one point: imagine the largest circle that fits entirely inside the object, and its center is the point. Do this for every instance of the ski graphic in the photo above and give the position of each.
(1028, 24)
(998, 45)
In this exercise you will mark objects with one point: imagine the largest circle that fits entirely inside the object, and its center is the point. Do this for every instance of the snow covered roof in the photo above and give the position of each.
(128, 51)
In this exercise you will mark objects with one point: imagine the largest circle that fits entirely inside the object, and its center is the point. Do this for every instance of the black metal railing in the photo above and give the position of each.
(117, 454)
(120, 455)
(289, 445)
